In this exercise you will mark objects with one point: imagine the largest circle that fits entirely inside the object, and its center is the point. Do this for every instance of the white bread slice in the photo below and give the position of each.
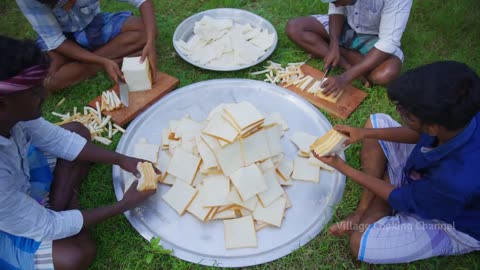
(149, 178)
(227, 214)
(249, 181)
(180, 196)
(273, 214)
(274, 190)
(197, 208)
(331, 142)
(229, 158)
(146, 151)
(184, 165)
(303, 141)
(316, 162)
(208, 158)
(163, 160)
(302, 170)
(168, 179)
(285, 169)
(255, 148)
(250, 204)
(275, 118)
(216, 188)
(220, 128)
(240, 233)
(274, 138)
(244, 114)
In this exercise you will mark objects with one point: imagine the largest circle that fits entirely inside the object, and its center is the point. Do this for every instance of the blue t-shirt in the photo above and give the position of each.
(444, 182)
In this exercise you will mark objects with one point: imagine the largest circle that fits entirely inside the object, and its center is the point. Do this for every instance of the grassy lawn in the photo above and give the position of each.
(437, 30)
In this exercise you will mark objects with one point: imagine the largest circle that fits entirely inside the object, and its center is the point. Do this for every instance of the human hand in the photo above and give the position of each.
(334, 85)
(133, 198)
(332, 58)
(333, 161)
(355, 134)
(129, 164)
(150, 54)
(113, 70)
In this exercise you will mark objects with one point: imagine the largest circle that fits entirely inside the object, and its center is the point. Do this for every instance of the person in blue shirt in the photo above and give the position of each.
(421, 181)
(81, 40)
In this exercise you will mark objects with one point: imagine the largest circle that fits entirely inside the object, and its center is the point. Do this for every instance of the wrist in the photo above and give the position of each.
(121, 206)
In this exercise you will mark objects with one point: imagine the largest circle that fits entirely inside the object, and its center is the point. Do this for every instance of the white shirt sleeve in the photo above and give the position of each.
(332, 9)
(54, 139)
(23, 216)
(392, 24)
(135, 3)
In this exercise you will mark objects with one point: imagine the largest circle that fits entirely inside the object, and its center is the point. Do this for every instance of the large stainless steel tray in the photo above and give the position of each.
(194, 241)
(185, 30)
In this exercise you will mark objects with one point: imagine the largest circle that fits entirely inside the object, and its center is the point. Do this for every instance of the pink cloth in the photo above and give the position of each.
(26, 79)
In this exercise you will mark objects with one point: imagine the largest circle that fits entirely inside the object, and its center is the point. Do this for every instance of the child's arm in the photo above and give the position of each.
(396, 134)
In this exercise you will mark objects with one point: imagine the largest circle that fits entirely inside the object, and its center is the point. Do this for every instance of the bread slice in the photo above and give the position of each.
(304, 171)
(197, 208)
(146, 151)
(316, 162)
(230, 158)
(273, 214)
(274, 190)
(255, 148)
(240, 233)
(234, 198)
(216, 188)
(180, 196)
(184, 165)
(149, 178)
(249, 181)
(243, 114)
(331, 142)
(303, 141)
(220, 128)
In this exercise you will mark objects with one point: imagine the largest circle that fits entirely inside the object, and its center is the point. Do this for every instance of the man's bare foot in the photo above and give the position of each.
(346, 225)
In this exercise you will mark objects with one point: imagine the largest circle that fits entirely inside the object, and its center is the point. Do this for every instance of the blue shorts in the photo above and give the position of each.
(20, 253)
(352, 40)
(405, 237)
(103, 28)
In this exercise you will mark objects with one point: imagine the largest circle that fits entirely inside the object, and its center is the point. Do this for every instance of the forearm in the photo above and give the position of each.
(148, 17)
(94, 153)
(397, 134)
(336, 22)
(94, 216)
(72, 50)
(372, 60)
(377, 186)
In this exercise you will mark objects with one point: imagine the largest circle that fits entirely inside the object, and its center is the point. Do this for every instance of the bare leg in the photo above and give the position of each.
(79, 251)
(373, 162)
(65, 72)
(377, 209)
(311, 36)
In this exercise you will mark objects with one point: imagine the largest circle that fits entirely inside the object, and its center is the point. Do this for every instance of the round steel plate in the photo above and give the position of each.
(185, 30)
(203, 243)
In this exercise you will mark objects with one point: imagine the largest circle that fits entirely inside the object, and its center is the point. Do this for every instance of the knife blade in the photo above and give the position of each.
(123, 93)
(326, 72)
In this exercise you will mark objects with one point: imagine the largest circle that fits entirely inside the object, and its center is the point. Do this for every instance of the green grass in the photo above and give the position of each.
(437, 30)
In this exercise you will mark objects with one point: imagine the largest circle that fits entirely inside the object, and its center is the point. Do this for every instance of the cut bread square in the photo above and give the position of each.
(211, 142)
(276, 118)
(274, 190)
(198, 179)
(230, 158)
(316, 162)
(180, 196)
(240, 233)
(245, 212)
(146, 151)
(255, 148)
(220, 128)
(304, 171)
(163, 160)
(266, 165)
(285, 169)
(148, 177)
(283, 182)
(249, 204)
(216, 188)
(274, 138)
(249, 181)
(168, 179)
(197, 208)
(184, 165)
(227, 214)
(244, 114)
(223, 143)
(273, 214)
(331, 142)
(165, 140)
(303, 141)
(188, 129)
(208, 158)
(260, 225)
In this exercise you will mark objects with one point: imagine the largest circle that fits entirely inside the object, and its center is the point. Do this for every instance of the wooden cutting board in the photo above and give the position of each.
(347, 103)
(140, 101)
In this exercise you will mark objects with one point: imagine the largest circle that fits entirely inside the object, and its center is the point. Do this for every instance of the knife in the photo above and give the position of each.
(326, 72)
(123, 93)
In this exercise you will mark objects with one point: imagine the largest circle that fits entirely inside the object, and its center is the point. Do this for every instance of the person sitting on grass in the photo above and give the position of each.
(363, 37)
(428, 203)
(41, 226)
(81, 40)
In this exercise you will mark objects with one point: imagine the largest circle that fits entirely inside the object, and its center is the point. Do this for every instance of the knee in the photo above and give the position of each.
(384, 75)
(78, 128)
(293, 28)
(368, 123)
(79, 256)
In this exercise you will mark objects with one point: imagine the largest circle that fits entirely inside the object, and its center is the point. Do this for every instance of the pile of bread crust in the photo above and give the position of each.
(229, 167)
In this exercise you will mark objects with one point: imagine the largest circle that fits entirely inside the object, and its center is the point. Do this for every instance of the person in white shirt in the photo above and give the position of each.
(361, 36)
(41, 226)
